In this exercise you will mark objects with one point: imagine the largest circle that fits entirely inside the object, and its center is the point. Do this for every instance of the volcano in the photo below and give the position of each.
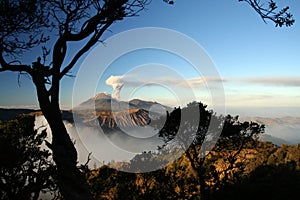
(112, 114)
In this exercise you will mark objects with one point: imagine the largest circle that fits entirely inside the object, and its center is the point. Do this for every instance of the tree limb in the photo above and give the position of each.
(15, 68)
(280, 18)
(84, 49)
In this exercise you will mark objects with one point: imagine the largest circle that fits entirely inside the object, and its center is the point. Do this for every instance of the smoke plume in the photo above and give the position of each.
(117, 83)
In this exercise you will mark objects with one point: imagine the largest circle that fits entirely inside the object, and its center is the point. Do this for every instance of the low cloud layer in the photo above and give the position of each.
(274, 81)
(200, 81)
(117, 146)
(132, 81)
(117, 82)
(239, 91)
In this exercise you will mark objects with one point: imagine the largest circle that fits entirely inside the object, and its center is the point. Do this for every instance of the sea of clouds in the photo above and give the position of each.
(115, 146)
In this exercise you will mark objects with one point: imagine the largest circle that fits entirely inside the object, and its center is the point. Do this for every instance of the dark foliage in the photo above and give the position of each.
(265, 182)
(279, 179)
(28, 24)
(25, 168)
(228, 137)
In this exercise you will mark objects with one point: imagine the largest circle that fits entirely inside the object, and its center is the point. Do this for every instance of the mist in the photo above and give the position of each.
(118, 146)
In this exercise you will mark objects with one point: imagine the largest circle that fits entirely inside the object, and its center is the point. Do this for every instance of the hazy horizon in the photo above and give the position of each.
(267, 112)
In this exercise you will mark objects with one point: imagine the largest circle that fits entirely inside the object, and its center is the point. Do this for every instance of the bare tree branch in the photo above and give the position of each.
(14, 68)
(89, 44)
(280, 18)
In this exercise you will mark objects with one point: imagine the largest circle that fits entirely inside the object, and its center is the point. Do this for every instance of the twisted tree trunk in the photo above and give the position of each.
(71, 180)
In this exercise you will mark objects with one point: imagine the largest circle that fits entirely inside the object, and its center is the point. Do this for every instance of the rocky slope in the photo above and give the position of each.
(110, 113)
(115, 120)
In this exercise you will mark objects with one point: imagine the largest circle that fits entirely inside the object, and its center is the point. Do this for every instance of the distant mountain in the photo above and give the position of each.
(110, 114)
(113, 114)
(8, 114)
(101, 101)
(286, 129)
(146, 104)
(104, 102)
(140, 113)
(274, 140)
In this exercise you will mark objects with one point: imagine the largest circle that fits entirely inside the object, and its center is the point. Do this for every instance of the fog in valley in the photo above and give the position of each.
(114, 146)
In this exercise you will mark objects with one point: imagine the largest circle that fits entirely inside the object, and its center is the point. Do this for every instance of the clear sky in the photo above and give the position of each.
(258, 63)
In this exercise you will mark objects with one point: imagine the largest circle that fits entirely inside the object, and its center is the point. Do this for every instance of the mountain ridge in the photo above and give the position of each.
(110, 113)
(104, 101)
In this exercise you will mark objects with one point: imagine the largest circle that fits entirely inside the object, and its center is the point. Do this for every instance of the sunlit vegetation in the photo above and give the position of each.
(268, 171)
(238, 164)
(238, 167)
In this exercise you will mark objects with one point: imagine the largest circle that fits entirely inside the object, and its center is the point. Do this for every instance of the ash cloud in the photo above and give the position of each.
(117, 83)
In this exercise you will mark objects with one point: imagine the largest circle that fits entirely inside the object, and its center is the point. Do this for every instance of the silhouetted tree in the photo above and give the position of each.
(197, 140)
(26, 24)
(281, 17)
(270, 12)
(26, 169)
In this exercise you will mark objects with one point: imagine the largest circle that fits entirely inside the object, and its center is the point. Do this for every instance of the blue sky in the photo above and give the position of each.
(258, 63)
